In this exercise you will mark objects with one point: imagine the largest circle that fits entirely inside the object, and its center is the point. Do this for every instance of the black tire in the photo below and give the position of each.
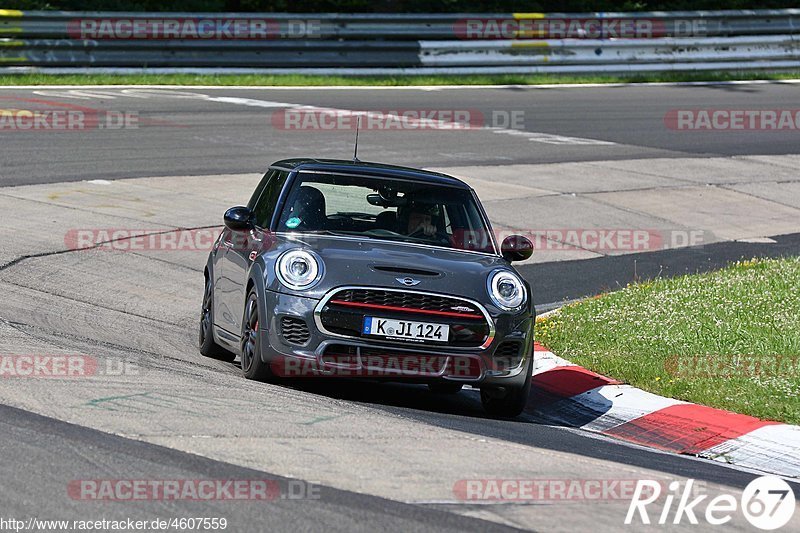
(253, 367)
(511, 403)
(208, 347)
(445, 387)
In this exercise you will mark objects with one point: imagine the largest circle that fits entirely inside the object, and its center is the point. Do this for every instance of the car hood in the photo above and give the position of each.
(375, 263)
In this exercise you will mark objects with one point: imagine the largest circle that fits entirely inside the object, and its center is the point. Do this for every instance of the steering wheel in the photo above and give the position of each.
(418, 233)
(437, 237)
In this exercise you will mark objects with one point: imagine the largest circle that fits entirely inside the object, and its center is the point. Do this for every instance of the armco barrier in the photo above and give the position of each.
(385, 43)
(599, 52)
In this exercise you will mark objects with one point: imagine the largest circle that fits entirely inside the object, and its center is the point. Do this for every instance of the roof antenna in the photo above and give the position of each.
(355, 150)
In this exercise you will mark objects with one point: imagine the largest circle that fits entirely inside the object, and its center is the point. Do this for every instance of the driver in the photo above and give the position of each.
(420, 221)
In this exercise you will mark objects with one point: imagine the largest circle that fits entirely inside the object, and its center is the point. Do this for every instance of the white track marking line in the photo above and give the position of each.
(147, 92)
(549, 138)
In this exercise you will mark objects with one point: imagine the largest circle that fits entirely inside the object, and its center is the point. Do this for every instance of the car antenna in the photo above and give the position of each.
(355, 149)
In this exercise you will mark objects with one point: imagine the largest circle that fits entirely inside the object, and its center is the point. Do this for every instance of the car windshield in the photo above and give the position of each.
(387, 209)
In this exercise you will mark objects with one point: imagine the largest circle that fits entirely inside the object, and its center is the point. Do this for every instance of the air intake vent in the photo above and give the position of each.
(406, 271)
(294, 330)
(507, 355)
(507, 349)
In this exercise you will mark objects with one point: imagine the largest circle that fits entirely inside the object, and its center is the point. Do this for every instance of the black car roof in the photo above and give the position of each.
(369, 169)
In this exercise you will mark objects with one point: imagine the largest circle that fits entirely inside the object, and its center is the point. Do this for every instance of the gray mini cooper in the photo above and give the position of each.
(370, 271)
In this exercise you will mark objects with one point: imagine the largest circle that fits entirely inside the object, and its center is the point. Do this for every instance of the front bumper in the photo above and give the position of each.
(499, 361)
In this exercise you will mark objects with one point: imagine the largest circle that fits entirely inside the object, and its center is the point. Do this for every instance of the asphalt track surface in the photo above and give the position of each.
(212, 137)
(217, 137)
(33, 486)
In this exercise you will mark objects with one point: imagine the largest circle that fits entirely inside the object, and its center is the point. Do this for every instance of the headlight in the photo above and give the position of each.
(506, 290)
(299, 269)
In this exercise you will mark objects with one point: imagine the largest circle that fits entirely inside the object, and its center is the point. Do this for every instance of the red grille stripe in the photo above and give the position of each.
(405, 309)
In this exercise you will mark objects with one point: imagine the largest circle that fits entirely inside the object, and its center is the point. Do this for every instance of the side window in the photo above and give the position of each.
(260, 188)
(271, 187)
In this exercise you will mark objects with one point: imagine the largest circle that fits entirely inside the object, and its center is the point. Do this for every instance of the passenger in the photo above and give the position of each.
(308, 210)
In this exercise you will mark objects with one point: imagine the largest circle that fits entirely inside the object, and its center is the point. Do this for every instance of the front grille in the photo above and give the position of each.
(294, 330)
(344, 313)
(412, 301)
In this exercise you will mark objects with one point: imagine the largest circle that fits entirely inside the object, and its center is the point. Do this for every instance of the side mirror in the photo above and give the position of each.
(239, 218)
(516, 248)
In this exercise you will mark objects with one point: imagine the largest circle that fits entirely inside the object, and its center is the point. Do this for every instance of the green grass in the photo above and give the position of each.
(303, 80)
(654, 334)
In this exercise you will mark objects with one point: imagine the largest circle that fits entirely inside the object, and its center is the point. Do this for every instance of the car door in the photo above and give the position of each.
(236, 249)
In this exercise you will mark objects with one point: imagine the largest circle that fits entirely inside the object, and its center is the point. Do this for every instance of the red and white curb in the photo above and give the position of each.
(570, 395)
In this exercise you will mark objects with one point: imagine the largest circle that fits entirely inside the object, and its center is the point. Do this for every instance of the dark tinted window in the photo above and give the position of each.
(260, 188)
(385, 209)
(268, 192)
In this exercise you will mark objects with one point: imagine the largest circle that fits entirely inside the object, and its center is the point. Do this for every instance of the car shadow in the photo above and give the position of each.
(394, 395)
(548, 422)
(543, 407)
(552, 400)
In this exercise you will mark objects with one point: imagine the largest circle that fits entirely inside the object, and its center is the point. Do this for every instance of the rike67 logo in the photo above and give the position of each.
(768, 503)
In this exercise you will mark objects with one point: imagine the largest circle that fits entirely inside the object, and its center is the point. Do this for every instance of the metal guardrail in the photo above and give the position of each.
(370, 43)
(597, 52)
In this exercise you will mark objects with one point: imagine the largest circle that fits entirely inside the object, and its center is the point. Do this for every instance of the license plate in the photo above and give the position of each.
(405, 329)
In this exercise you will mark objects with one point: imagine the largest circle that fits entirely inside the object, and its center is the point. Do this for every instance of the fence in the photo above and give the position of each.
(377, 43)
